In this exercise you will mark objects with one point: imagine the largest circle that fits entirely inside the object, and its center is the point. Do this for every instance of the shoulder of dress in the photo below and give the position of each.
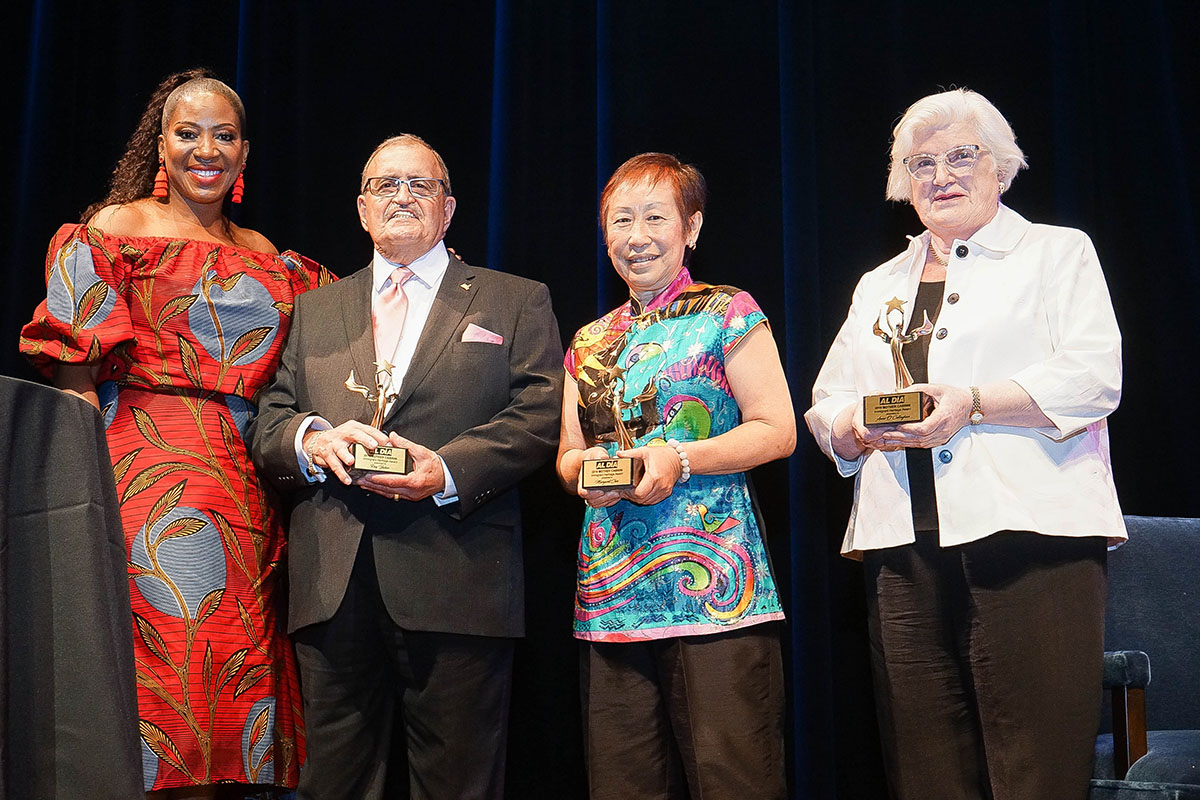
(314, 270)
(72, 230)
(589, 331)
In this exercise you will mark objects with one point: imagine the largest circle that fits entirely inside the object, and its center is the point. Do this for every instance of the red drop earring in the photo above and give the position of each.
(239, 187)
(160, 181)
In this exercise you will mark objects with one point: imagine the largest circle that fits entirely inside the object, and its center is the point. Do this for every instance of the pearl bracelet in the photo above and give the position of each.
(683, 460)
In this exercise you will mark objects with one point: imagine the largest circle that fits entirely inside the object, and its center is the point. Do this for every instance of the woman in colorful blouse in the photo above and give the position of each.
(681, 676)
(170, 318)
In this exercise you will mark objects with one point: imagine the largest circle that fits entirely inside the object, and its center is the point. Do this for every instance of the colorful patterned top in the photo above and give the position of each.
(186, 332)
(694, 563)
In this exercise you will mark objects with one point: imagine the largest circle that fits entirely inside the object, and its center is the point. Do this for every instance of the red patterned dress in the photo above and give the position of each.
(187, 332)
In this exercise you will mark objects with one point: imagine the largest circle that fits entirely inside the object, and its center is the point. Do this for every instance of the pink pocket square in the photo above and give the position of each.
(474, 333)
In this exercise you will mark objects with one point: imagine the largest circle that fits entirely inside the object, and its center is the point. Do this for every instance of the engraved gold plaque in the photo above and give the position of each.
(893, 409)
(611, 473)
(394, 460)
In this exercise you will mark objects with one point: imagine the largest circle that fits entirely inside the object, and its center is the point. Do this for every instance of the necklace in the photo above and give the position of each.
(937, 256)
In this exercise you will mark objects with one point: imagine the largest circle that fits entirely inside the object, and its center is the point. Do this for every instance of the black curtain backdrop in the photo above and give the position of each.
(787, 108)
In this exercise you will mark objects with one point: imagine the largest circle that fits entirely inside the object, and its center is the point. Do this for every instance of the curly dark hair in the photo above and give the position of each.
(133, 177)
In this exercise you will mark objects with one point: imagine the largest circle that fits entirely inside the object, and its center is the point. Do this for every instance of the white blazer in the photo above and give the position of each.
(1023, 302)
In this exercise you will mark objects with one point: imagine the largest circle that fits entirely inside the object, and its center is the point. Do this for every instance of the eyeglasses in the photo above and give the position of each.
(417, 187)
(959, 160)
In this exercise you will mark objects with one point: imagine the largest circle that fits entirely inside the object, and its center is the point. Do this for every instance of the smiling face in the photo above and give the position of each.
(202, 149)
(404, 227)
(646, 233)
(955, 206)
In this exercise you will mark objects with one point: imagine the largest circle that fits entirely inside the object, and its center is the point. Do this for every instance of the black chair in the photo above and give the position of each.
(1153, 616)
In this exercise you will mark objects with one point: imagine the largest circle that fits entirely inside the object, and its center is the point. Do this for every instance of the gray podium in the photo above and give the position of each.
(68, 707)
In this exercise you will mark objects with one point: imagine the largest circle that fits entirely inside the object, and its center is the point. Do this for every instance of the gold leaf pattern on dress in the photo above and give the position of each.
(93, 235)
(146, 427)
(185, 526)
(267, 755)
(230, 437)
(94, 350)
(248, 341)
(161, 745)
(152, 639)
(191, 362)
(208, 604)
(247, 623)
(164, 505)
(122, 466)
(150, 476)
(259, 728)
(30, 347)
(283, 307)
(250, 677)
(90, 303)
(230, 667)
(229, 537)
(207, 674)
(229, 281)
(174, 307)
(170, 251)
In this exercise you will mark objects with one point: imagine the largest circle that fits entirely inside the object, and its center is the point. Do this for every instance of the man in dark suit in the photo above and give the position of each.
(407, 588)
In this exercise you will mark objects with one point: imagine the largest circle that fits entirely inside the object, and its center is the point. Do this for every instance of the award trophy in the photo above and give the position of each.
(383, 458)
(614, 473)
(893, 409)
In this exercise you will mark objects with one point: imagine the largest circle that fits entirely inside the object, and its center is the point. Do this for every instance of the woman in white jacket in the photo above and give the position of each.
(982, 527)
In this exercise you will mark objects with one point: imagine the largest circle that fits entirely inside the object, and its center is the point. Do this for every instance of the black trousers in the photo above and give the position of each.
(359, 671)
(698, 715)
(988, 660)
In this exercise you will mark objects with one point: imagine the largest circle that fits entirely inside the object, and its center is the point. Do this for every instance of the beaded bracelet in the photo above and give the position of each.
(683, 460)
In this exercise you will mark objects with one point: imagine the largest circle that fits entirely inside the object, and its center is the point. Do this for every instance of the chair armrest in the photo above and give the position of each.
(1126, 675)
(1127, 668)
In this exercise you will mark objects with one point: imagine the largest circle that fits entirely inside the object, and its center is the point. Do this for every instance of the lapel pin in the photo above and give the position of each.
(465, 286)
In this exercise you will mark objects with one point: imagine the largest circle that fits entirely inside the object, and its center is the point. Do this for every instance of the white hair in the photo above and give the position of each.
(406, 139)
(948, 108)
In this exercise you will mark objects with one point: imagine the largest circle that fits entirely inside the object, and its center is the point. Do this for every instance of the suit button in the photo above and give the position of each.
(945, 456)
(953, 298)
(942, 333)
(961, 251)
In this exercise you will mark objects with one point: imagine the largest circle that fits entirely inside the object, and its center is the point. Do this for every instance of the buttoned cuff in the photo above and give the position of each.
(449, 494)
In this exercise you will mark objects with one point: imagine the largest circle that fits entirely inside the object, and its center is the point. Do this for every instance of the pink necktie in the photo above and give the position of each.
(389, 314)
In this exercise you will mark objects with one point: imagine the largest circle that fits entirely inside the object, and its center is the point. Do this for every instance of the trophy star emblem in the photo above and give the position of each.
(895, 304)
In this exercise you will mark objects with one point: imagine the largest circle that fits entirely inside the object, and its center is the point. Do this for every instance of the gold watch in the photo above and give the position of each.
(976, 406)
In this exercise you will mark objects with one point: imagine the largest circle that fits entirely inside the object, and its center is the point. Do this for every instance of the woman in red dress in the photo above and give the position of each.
(169, 318)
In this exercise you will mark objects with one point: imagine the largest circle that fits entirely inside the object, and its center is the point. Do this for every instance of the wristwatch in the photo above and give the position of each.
(976, 407)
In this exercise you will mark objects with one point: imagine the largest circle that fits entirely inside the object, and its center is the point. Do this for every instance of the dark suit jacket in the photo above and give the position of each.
(490, 411)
